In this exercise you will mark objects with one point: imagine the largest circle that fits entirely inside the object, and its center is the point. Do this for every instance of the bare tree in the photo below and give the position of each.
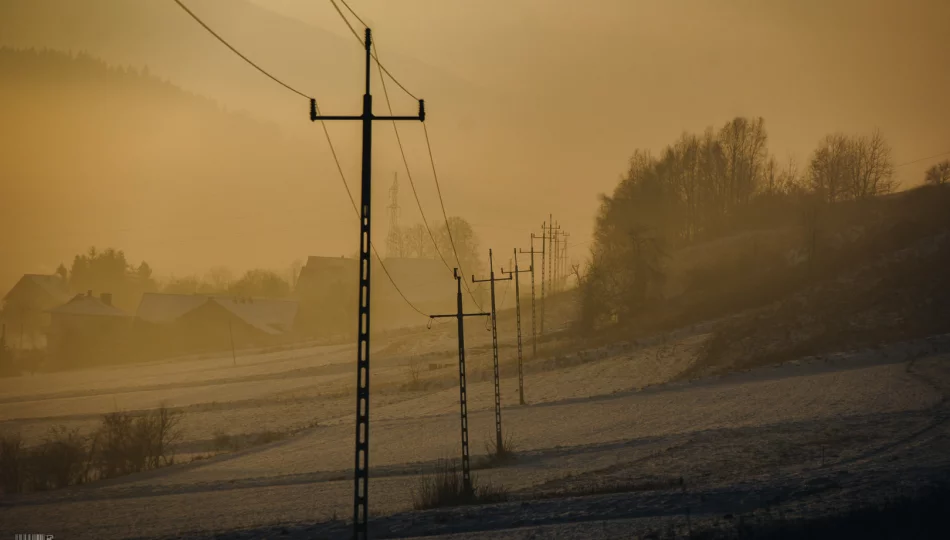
(872, 170)
(220, 278)
(852, 167)
(828, 168)
(939, 174)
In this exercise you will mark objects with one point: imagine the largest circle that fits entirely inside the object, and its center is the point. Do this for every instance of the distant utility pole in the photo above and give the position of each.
(547, 230)
(361, 472)
(565, 271)
(463, 396)
(231, 335)
(515, 272)
(393, 237)
(555, 263)
(499, 441)
(534, 318)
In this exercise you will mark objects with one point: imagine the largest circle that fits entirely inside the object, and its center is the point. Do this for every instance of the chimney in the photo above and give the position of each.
(106, 298)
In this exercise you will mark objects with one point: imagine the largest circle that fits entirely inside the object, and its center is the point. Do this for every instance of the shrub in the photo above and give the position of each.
(447, 488)
(123, 444)
(11, 463)
(500, 456)
(222, 442)
(269, 436)
(61, 460)
(126, 444)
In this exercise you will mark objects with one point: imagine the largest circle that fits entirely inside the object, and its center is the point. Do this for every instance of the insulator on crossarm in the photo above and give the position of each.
(313, 110)
(422, 110)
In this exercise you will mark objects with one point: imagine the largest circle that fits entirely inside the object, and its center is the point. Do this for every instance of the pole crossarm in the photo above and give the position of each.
(454, 315)
(315, 117)
(491, 279)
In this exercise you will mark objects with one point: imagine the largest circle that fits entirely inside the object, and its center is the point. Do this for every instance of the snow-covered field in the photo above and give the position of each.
(605, 446)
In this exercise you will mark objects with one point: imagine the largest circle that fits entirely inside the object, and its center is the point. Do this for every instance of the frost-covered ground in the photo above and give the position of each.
(605, 448)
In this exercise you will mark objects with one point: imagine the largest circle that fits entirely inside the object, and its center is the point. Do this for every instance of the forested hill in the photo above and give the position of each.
(94, 153)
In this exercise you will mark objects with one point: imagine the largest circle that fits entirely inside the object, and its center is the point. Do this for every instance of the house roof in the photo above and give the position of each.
(266, 314)
(165, 308)
(82, 304)
(51, 284)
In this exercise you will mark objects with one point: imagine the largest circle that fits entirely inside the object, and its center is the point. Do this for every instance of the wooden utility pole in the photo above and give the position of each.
(534, 318)
(463, 395)
(361, 468)
(499, 441)
(515, 273)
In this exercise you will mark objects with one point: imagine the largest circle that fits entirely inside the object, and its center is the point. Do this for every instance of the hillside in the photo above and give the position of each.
(100, 154)
(880, 278)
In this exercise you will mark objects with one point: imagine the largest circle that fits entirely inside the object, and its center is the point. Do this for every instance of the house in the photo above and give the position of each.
(87, 330)
(26, 307)
(426, 282)
(327, 289)
(190, 322)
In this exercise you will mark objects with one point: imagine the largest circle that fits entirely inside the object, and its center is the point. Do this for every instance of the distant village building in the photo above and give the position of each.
(190, 322)
(88, 330)
(328, 288)
(26, 308)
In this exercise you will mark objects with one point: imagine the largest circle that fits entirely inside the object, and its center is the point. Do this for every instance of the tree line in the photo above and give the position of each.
(456, 235)
(708, 185)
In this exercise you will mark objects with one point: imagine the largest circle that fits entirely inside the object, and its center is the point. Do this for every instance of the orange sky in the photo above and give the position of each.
(535, 105)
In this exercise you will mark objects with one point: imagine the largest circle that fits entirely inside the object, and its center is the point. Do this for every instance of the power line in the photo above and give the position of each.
(237, 52)
(405, 163)
(923, 159)
(445, 216)
(382, 68)
(358, 38)
(349, 195)
(348, 8)
(325, 132)
(504, 296)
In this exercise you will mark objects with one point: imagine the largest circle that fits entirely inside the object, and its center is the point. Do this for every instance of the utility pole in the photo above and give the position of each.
(515, 272)
(534, 318)
(555, 261)
(463, 397)
(547, 233)
(231, 335)
(393, 237)
(499, 441)
(361, 468)
(565, 269)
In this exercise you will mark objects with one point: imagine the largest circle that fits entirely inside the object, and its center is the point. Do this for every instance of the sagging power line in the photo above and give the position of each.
(326, 133)
(382, 68)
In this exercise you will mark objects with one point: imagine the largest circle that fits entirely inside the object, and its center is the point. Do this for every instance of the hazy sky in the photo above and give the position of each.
(535, 105)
